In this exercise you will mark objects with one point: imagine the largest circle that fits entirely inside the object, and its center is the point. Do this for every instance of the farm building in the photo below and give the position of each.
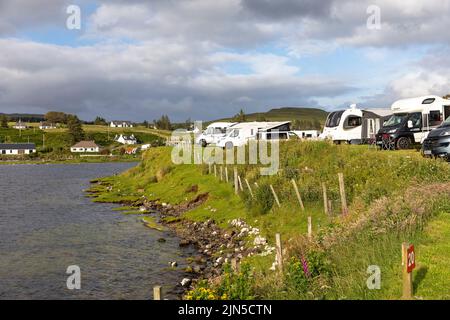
(85, 147)
(123, 139)
(20, 125)
(121, 124)
(46, 126)
(17, 148)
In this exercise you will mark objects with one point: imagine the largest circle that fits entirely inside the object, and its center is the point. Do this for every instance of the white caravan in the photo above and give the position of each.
(354, 125)
(213, 133)
(413, 119)
(239, 134)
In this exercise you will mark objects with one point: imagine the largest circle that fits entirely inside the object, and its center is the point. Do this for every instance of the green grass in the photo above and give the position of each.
(370, 177)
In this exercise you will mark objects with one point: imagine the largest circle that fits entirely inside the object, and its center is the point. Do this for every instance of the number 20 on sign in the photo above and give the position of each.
(411, 259)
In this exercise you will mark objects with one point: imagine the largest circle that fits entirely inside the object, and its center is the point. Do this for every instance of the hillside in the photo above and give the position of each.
(381, 216)
(305, 118)
(56, 143)
(25, 117)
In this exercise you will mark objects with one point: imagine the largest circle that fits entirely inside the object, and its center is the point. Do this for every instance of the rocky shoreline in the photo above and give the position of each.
(215, 246)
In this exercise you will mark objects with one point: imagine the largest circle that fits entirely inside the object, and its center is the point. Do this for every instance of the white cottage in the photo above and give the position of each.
(123, 139)
(20, 125)
(11, 149)
(46, 126)
(85, 147)
(121, 124)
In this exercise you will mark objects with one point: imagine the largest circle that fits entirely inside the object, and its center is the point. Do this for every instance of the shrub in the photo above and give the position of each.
(262, 202)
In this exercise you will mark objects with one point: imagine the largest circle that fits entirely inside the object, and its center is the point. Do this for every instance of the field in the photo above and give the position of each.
(392, 196)
(56, 143)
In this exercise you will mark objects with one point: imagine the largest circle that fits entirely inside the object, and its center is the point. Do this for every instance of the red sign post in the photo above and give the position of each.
(411, 259)
(408, 265)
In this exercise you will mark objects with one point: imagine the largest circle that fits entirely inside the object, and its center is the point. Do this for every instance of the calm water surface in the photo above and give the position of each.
(47, 224)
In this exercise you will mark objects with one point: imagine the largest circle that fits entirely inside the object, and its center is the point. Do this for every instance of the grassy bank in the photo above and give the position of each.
(392, 196)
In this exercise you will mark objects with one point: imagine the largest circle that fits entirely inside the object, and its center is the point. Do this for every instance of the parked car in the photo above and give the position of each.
(412, 120)
(437, 144)
(239, 134)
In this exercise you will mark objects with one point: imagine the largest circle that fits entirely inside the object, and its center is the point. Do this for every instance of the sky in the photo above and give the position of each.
(202, 59)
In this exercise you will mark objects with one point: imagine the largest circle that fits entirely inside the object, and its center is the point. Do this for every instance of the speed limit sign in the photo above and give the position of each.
(410, 259)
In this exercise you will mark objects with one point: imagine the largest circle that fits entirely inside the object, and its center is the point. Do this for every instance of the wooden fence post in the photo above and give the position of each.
(240, 183)
(215, 171)
(407, 276)
(275, 196)
(209, 168)
(226, 173)
(309, 228)
(221, 173)
(236, 183)
(325, 198)
(234, 265)
(298, 195)
(342, 191)
(279, 252)
(157, 293)
(249, 187)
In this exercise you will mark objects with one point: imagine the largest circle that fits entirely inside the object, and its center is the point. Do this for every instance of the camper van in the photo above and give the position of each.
(239, 134)
(353, 125)
(213, 133)
(412, 120)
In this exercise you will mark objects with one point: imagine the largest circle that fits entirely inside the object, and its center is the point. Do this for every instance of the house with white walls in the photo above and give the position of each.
(85, 147)
(121, 124)
(124, 139)
(14, 149)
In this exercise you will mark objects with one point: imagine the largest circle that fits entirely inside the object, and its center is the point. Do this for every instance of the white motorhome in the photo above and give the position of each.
(213, 133)
(412, 120)
(239, 134)
(354, 125)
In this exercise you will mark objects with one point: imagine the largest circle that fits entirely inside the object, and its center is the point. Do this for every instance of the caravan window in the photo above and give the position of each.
(219, 130)
(334, 119)
(352, 122)
(435, 118)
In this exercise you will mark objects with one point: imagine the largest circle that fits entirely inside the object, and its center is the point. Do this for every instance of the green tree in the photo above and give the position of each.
(163, 123)
(56, 117)
(75, 128)
(240, 117)
(4, 121)
(100, 121)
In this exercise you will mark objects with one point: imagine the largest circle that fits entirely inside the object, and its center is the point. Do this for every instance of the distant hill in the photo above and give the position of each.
(302, 118)
(26, 117)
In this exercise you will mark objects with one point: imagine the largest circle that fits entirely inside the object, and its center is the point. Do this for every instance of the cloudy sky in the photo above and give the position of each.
(203, 59)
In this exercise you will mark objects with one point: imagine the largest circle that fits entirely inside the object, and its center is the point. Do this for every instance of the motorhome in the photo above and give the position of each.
(412, 120)
(353, 125)
(307, 134)
(213, 133)
(239, 134)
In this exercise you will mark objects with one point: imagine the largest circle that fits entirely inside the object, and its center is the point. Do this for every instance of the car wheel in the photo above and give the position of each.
(403, 143)
(229, 145)
(203, 143)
